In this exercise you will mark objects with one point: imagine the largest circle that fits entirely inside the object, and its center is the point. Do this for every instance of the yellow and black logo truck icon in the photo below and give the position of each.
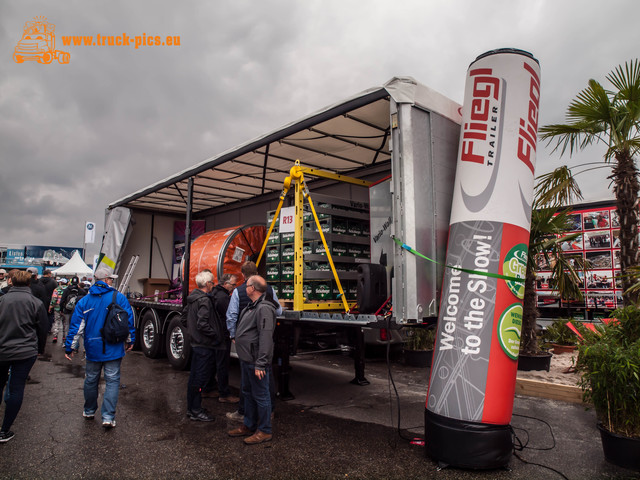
(38, 43)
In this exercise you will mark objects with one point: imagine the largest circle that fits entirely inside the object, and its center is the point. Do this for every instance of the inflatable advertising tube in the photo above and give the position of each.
(471, 389)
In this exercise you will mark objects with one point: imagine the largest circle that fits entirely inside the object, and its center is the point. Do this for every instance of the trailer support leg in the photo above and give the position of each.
(282, 349)
(356, 338)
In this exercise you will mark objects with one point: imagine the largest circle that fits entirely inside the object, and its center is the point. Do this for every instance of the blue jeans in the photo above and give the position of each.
(112, 387)
(19, 372)
(202, 360)
(257, 400)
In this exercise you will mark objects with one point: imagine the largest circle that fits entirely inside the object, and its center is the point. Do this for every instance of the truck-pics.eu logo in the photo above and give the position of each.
(38, 43)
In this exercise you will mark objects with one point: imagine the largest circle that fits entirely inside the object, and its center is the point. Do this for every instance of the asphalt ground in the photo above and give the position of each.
(332, 429)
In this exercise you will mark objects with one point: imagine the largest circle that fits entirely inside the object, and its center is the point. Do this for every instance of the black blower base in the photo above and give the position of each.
(462, 444)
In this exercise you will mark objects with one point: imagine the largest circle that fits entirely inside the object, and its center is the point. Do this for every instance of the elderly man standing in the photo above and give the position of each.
(206, 335)
(254, 345)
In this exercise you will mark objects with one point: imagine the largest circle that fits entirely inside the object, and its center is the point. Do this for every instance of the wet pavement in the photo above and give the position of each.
(332, 429)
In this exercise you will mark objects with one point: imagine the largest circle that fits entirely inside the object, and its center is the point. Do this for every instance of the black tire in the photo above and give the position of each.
(178, 346)
(151, 340)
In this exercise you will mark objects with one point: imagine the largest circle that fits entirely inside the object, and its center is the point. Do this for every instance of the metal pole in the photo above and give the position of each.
(186, 257)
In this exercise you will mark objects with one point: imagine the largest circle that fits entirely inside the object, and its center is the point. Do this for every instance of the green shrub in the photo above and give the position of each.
(420, 338)
(559, 333)
(609, 363)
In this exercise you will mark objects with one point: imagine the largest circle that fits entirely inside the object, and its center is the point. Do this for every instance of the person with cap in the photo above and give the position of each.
(58, 319)
(22, 337)
(4, 279)
(88, 319)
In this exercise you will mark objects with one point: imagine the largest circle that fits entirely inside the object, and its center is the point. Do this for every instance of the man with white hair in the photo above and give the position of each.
(4, 279)
(205, 334)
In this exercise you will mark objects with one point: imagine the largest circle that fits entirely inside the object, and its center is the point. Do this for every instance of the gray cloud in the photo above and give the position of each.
(75, 137)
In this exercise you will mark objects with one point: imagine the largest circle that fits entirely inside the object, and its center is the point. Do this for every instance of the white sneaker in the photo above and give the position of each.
(88, 416)
(108, 423)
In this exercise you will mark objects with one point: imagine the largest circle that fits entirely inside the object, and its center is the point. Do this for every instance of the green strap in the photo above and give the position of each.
(475, 272)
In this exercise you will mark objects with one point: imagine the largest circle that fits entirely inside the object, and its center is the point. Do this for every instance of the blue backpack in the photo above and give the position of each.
(116, 325)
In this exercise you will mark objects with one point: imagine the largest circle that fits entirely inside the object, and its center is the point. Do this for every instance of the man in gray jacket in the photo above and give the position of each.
(254, 346)
(23, 333)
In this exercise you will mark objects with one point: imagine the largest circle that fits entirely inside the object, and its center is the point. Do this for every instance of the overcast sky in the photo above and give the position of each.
(76, 137)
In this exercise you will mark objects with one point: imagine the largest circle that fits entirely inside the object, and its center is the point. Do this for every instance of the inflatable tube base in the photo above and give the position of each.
(463, 444)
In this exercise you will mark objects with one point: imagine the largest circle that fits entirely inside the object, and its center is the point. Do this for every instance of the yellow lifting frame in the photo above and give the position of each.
(296, 175)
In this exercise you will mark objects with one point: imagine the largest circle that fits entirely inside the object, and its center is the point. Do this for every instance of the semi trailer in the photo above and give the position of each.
(377, 166)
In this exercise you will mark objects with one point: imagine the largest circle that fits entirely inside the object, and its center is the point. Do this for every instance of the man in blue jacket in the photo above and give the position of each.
(87, 320)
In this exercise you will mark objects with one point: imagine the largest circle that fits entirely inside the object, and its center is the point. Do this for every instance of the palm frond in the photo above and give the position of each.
(557, 188)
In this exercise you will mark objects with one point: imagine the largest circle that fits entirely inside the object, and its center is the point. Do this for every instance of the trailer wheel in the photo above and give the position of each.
(150, 336)
(63, 57)
(178, 345)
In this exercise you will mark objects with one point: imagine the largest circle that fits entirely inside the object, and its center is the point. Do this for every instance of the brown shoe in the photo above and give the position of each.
(229, 399)
(258, 437)
(242, 431)
(212, 394)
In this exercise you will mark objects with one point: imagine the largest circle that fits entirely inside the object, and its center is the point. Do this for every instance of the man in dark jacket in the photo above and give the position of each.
(88, 320)
(37, 288)
(254, 345)
(205, 335)
(22, 337)
(220, 300)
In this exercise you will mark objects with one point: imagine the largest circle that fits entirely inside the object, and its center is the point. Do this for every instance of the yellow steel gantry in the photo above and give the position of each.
(296, 175)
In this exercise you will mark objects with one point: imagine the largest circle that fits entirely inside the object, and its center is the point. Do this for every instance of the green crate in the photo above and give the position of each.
(273, 271)
(276, 288)
(270, 215)
(323, 290)
(338, 249)
(287, 237)
(273, 253)
(287, 253)
(286, 271)
(366, 251)
(274, 238)
(354, 250)
(286, 291)
(308, 247)
(336, 225)
(354, 227)
(307, 291)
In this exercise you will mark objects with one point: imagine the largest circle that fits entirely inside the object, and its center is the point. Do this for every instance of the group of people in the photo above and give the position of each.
(25, 323)
(217, 316)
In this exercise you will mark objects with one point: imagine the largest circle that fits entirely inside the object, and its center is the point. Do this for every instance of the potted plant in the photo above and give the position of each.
(609, 364)
(418, 348)
(561, 338)
(549, 222)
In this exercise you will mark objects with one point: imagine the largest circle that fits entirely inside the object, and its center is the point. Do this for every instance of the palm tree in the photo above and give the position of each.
(612, 117)
(549, 222)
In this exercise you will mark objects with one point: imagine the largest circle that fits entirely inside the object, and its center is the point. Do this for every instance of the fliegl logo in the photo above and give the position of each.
(38, 43)
(481, 135)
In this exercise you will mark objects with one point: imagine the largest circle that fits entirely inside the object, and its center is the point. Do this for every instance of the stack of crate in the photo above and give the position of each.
(345, 225)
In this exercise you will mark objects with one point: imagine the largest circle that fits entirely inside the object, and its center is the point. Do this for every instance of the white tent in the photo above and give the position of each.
(75, 266)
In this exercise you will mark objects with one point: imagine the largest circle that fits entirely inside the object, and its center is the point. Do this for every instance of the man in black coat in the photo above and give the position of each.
(220, 300)
(205, 335)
